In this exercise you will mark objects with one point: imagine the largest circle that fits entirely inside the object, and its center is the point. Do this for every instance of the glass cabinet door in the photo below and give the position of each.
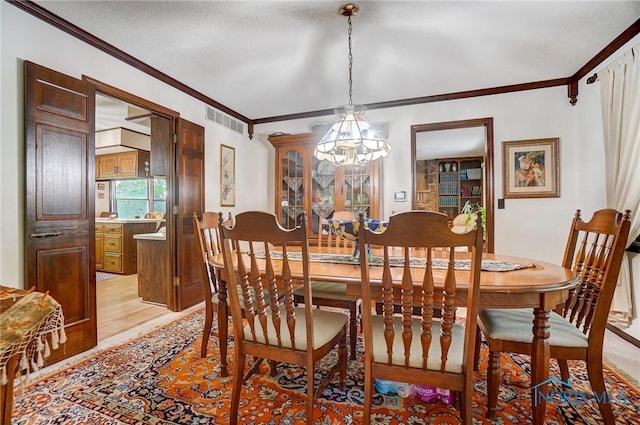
(357, 189)
(323, 184)
(291, 189)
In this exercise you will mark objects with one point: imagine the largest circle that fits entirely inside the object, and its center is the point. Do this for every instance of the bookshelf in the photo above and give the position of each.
(460, 180)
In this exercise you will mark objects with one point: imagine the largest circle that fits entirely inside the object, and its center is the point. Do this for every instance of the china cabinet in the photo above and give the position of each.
(303, 183)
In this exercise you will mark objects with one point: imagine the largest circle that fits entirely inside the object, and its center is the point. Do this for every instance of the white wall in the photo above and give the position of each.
(525, 115)
(533, 228)
(24, 37)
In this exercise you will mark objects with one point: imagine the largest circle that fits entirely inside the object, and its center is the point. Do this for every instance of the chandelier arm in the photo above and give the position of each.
(345, 143)
(350, 64)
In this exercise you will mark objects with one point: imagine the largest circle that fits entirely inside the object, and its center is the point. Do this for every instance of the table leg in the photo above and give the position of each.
(223, 326)
(6, 392)
(539, 364)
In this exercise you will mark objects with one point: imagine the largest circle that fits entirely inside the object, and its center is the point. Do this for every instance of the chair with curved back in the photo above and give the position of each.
(209, 239)
(421, 350)
(332, 294)
(276, 330)
(594, 251)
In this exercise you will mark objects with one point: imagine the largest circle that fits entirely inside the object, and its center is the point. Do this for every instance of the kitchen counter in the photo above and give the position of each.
(129, 220)
(154, 271)
(158, 236)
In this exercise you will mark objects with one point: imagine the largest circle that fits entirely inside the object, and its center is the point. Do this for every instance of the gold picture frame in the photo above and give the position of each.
(531, 168)
(227, 176)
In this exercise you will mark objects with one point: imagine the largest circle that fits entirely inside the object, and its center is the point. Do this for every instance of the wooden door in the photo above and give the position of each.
(59, 199)
(190, 199)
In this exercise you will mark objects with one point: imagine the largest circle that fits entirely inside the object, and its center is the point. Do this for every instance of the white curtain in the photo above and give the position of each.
(620, 95)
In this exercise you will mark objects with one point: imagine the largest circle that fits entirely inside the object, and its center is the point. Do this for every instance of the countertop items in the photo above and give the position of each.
(158, 236)
(129, 220)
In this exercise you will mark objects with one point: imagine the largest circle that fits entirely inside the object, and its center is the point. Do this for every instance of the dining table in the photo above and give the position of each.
(508, 282)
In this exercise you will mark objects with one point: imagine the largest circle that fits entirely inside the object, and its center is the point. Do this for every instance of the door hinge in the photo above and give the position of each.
(175, 210)
(175, 139)
(176, 281)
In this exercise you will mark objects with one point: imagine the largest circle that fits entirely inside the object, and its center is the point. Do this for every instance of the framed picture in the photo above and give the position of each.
(227, 176)
(531, 168)
(400, 196)
(100, 186)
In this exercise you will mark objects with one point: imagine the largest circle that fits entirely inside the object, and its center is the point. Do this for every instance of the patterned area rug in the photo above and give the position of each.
(159, 378)
(102, 276)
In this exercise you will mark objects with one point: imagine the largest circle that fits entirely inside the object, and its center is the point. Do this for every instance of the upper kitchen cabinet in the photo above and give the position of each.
(318, 188)
(122, 165)
(122, 153)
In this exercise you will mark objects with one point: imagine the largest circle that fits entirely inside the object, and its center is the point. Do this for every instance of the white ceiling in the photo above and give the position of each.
(270, 58)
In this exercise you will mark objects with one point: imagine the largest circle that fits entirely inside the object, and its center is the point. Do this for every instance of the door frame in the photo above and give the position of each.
(106, 89)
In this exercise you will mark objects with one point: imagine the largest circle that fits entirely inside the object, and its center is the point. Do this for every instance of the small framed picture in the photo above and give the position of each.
(227, 176)
(531, 168)
(400, 196)
(100, 186)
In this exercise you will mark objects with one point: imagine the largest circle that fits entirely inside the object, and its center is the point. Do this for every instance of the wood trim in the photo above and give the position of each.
(487, 123)
(57, 22)
(426, 99)
(603, 54)
(77, 32)
(131, 98)
(622, 334)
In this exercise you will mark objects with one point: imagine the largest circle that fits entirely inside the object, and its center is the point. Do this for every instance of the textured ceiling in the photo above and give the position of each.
(270, 58)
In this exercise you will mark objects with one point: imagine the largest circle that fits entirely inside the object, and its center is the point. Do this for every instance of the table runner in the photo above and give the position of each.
(437, 263)
(27, 318)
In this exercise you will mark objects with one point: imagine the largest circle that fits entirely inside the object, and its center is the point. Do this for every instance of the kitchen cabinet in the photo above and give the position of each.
(154, 272)
(122, 165)
(99, 246)
(304, 183)
(117, 252)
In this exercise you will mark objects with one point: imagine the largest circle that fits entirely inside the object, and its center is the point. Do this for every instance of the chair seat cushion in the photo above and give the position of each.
(331, 290)
(454, 358)
(326, 325)
(515, 325)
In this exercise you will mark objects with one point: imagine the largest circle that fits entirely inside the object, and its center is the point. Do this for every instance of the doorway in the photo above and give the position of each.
(123, 128)
(454, 142)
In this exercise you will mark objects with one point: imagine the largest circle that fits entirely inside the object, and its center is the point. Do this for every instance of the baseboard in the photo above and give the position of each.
(622, 334)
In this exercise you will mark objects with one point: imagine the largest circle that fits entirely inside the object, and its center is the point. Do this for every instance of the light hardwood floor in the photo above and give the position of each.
(119, 308)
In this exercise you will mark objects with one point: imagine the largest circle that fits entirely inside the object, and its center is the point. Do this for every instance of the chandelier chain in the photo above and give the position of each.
(350, 64)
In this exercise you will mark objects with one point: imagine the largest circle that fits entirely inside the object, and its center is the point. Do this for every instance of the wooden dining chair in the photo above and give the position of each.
(333, 294)
(210, 242)
(278, 330)
(420, 350)
(594, 251)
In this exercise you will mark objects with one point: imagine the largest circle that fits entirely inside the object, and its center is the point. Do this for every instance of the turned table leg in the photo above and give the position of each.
(539, 364)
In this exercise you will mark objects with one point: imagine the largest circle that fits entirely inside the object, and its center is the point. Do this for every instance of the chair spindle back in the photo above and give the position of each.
(594, 251)
(424, 234)
(262, 252)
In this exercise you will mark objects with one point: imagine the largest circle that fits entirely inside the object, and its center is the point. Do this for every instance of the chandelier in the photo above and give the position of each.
(352, 140)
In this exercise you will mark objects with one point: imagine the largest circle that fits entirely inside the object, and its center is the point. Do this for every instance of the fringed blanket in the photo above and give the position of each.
(28, 320)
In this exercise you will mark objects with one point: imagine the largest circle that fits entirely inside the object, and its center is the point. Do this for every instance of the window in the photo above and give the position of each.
(136, 197)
